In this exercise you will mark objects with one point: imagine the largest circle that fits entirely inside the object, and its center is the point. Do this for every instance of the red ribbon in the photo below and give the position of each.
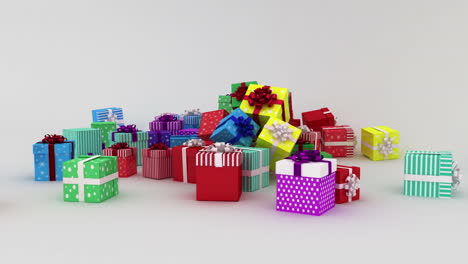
(52, 140)
(120, 145)
(161, 146)
(240, 92)
(263, 96)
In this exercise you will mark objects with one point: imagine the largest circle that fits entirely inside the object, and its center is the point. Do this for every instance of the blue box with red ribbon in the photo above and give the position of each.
(237, 128)
(49, 154)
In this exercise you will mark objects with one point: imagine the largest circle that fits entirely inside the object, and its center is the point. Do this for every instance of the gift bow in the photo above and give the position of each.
(281, 132)
(306, 156)
(190, 112)
(167, 118)
(220, 147)
(387, 146)
(352, 184)
(262, 96)
(305, 129)
(120, 145)
(240, 92)
(157, 146)
(52, 139)
(111, 116)
(456, 175)
(244, 126)
(194, 143)
(127, 129)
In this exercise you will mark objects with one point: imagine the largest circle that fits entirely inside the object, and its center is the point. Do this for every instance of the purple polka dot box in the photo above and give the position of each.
(305, 188)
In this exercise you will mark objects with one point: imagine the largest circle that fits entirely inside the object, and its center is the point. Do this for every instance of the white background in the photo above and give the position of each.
(396, 63)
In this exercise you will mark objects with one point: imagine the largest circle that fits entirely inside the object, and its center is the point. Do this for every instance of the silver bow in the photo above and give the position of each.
(456, 175)
(194, 143)
(305, 129)
(387, 146)
(192, 112)
(353, 183)
(281, 132)
(111, 117)
(220, 147)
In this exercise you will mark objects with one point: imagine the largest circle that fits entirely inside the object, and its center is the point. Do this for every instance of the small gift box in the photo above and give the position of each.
(49, 154)
(380, 143)
(155, 137)
(236, 128)
(157, 162)
(431, 174)
(305, 183)
(348, 184)
(338, 140)
(192, 118)
(308, 140)
(133, 137)
(219, 173)
(111, 114)
(183, 136)
(238, 92)
(106, 129)
(318, 118)
(280, 137)
(264, 102)
(295, 122)
(209, 122)
(255, 168)
(126, 158)
(91, 179)
(225, 103)
(183, 160)
(87, 140)
(167, 122)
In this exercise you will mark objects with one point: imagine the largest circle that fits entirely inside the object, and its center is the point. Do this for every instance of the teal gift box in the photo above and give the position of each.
(136, 138)
(87, 140)
(255, 168)
(236, 128)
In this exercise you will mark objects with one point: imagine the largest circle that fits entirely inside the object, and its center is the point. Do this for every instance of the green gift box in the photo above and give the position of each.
(255, 168)
(87, 140)
(91, 179)
(140, 141)
(306, 146)
(106, 128)
(243, 88)
(225, 102)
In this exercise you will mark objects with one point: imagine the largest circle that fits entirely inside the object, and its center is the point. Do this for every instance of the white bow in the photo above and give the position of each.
(192, 112)
(387, 146)
(194, 143)
(281, 132)
(456, 175)
(305, 129)
(111, 116)
(220, 147)
(353, 183)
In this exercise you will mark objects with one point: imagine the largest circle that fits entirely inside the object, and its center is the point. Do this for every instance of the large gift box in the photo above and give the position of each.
(430, 174)
(133, 137)
(183, 136)
(91, 179)
(209, 122)
(88, 141)
(167, 122)
(348, 184)
(106, 129)
(49, 154)
(255, 168)
(318, 118)
(183, 160)
(225, 103)
(236, 128)
(305, 183)
(126, 158)
(157, 162)
(155, 137)
(238, 92)
(192, 118)
(380, 143)
(338, 140)
(219, 173)
(111, 114)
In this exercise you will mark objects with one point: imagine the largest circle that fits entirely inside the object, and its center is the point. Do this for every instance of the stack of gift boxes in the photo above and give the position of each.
(252, 137)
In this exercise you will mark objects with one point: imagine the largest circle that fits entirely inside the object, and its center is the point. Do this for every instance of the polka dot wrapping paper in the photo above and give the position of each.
(62, 153)
(209, 122)
(232, 131)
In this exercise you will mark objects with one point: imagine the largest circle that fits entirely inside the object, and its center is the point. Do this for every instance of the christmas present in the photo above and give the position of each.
(209, 122)
(157, 162)
(219, 173)
(225, 102)
(280, 137)
(106, 129)
(238, 92)
(167, 122)
(264, 102)
(255, 168)
(295, 122)
(91, 179)
(133, 137)
(236, 128)
(49, 154)
(348, 184)
(183, 160)
(338, 140)
(308, 140)
(318, 118)
(155, 137)
(380, 143)
(111, 114)
(430, 174)
(192, 118)
(183, 136)
(305, 183)
(87, 140)
(126, 158)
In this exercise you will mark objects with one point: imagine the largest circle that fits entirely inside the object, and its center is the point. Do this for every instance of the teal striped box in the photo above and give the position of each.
(141, 142)
(87, 140)
(255, 168)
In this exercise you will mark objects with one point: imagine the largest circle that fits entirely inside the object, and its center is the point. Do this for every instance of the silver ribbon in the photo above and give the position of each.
(387, 146)
(305, 129)
(194, 143)
(352, 185)
(192, 112)
(111, 117)
(456, 175)
(281, 132)
(220, 147)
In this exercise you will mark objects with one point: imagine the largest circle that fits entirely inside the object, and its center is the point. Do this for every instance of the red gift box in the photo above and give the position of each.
(348, 186)
(183, 163)
(157, 163)
(209, 122)
(219, 175)
(318, 118)
(339, 141)
(126, 158)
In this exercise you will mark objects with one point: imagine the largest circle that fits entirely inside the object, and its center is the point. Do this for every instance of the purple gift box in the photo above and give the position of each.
(167, 122)
(155, 137)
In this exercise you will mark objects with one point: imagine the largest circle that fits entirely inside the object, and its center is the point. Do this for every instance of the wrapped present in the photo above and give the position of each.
(338, 140)
(155, 137)
(167, 122)
(209, 122)
(183, 136)
(157, 162)
(192, 118)
(238, 92)
(106, 129)
(432, 174)
(262, 102)
(225, 103)
(219, 173)
(305, 183)
(91, 179)
(236, 128)
(87, 140)
(380, 143)
(280, 137)
(308, 140)
(49, 154)
(133, 137)
(255, 168)
(126, 158)
(348, 184)
(183, 160)
(295, 122)
(318, 118)
(111, 114)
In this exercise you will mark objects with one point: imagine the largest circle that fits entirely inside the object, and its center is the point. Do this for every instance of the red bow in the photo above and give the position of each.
(240, 92)
(161, 146)
(52, 139)
(262, 96)
(120, 145)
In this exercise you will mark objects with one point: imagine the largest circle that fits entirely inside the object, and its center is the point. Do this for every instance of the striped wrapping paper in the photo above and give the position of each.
(140, 144)
(87, 140)
(111, 114)
(106, 128)
(171, 126)
(126, 160)
(157, 163)
(192, 121)
(255, 168)
(339, 141)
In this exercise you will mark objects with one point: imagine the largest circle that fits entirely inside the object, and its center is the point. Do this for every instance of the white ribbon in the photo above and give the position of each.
(192, 112)
(281, 133)
(220, 147)
(456, 175)
(262, 169)
(352, 184)
(194, 143)
(184, 164)
(340, 143)
(305, 129)
(427, 178)
(111, 117)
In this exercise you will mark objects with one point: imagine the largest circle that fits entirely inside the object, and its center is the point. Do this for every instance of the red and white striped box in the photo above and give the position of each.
(312, 137)
(126, 159)
(339, 141)
(157, 163)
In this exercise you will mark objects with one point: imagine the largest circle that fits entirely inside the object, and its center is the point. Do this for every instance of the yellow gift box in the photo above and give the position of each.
(261, 106)
(380, 143)
(280, 137)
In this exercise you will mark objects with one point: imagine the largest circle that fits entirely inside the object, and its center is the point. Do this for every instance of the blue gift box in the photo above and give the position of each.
(111, 114)
(237, 128)
(62, 153)
(178, 140)
(155, 137)
(192, 121)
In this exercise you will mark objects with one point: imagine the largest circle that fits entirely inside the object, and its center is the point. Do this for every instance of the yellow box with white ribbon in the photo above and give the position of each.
(380, 143)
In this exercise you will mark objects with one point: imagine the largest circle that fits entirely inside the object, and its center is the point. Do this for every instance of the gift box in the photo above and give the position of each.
(91, 179)
(86, 140)
(280, 137)
(126, 158)
(157, 162)
(219, 173)
(305, 184)
(264, 102)
(49, 154)
(255, 168)
(111, 114)
(432, 174)
(209, 122)
(184, 159)
(318, 118)
(184, 135)
(238, 92)
(167, 122)
(236, 128)
(155, 137)
(106, 129)
(133, 137)
(348, 184)
(295, 122)
(192, 118)
(338, 140)
(225, 103)
(380, 143)
(308, 140)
